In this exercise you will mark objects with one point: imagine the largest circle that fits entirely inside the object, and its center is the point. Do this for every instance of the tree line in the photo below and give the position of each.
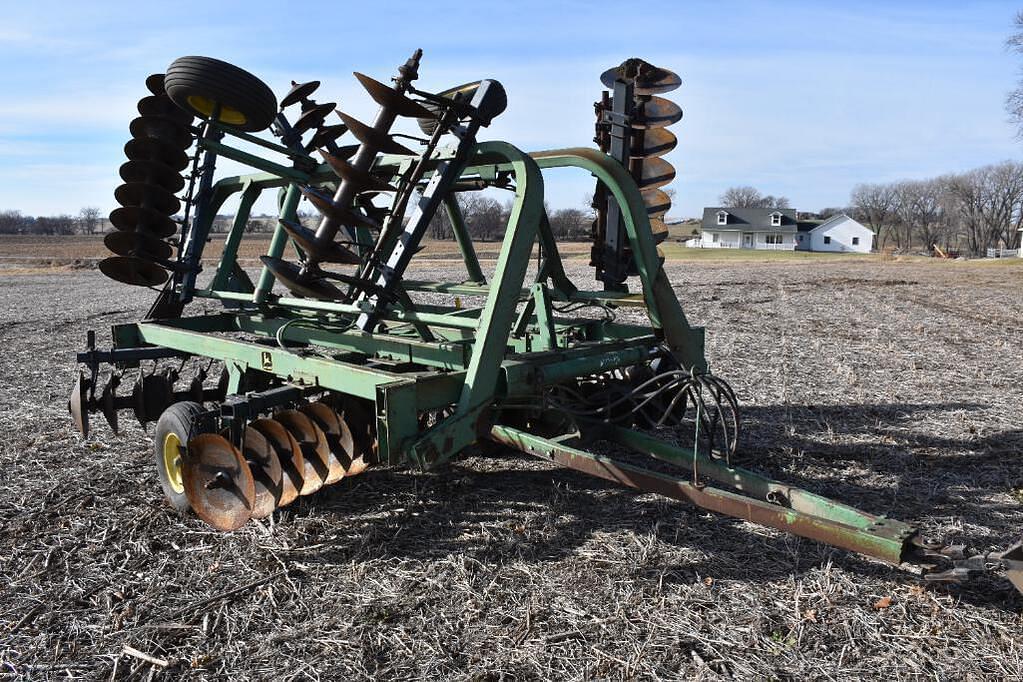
(88, 221)
(969, 212)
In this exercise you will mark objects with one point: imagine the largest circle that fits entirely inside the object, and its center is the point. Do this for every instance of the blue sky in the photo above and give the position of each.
(802, 99)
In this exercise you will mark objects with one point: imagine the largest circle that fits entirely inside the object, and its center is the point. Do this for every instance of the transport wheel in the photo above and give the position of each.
(199, 84)
(178, 424)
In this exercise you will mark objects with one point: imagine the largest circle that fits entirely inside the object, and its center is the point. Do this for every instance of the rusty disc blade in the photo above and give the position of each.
(78, 403)
(659, 230)
(359, 418)
(218, 483)
(290, 275)
(289, 455)
(131, 218)
(313, 443)
(148, 149)
(108, 402)
(655, 172)
(162, 105)
(133, 270)
(378, 141)
(152, 172)
(154, 83)
(363, 180)
(312, 117)
(147, 195)
(391, 99)
(1012, 559)
(339, 438)
(298, 92)
(267, 474)
(161, 128)
(150, 396)
(346, 216)
(326, 135)
(137, 243)
(657, 112)
(305, 238)
(657, 202)
(655, 142)
(646, 78)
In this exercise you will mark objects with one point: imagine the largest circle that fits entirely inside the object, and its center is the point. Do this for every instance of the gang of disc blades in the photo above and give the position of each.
(306, 240)
(137, 243)
(161, 128)
(289, 455)
(378, 141)
(133, 270)
(656, 112)
(298, 92)
(313, 443)
(266, 470)
(147, 195)
(218, 483)
(149, 149)
(131, 218)
(153, 172)
(392, 100)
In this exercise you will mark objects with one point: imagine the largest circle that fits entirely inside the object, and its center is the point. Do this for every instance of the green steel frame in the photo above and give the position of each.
(482, 362)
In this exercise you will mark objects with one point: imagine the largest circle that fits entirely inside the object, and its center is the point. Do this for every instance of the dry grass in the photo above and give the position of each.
(893, 386)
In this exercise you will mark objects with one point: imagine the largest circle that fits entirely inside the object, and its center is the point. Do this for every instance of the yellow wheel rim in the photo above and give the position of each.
(172, 462)
(205, 106)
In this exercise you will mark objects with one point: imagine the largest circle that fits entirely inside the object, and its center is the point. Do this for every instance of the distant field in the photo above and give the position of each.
(58, 251)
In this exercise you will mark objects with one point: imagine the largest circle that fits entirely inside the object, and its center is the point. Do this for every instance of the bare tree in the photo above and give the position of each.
(919, 209)
(570, 223)
(89, 220)
(874, 204)
(741, 197)
(988, 203)
(1014, 100)
(750, 197)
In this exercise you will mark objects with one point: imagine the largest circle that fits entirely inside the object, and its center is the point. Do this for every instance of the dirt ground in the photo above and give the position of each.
(893, 386)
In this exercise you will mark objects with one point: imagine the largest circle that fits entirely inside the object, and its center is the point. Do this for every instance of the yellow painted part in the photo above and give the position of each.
(205, 106)
(172, 462)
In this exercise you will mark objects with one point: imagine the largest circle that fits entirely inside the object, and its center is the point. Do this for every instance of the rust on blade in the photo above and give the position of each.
(306, 240)
(314, 447)
(339, 438)
(133, 270)
(290, 275)
(378, 141)
(132, 218)
(363, 181)
(343, 215)
(289, 454)
(218, 482)
(391, 99)
(137, 243)
(312, 117)
(653, 173)
(653, 142)
(267, 474)
(656, 112)
(299, 92)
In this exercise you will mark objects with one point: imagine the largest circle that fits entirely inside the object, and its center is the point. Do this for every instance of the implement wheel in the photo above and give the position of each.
(178, 424)
(199, 84)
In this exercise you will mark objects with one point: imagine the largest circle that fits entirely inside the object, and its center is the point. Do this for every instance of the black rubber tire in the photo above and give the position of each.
(182, 420)
(190, 80)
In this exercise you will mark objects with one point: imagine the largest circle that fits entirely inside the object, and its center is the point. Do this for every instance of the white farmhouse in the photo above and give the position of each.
(748, 228)
(839, 233)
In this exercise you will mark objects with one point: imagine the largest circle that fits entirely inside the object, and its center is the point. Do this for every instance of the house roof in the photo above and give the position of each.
(758, 219)
(834, 220)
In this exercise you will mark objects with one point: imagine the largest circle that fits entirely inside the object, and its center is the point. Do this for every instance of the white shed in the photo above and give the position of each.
(839, 233)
